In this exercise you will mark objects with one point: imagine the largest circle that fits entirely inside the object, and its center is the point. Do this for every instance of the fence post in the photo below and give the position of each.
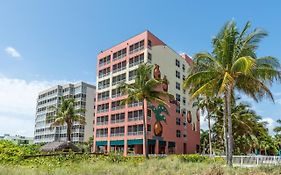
(257, 160)
(241, 161)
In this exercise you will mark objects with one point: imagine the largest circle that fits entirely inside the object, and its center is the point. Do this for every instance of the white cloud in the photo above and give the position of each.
(204, 121)
(277, 93)
(271, 124)
(12, 52)
(18, 103)
(278, 101)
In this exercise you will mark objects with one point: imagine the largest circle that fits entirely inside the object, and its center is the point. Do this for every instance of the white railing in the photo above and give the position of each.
(255, 160)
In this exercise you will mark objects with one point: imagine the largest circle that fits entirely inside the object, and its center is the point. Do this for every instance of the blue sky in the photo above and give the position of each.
(46, 42)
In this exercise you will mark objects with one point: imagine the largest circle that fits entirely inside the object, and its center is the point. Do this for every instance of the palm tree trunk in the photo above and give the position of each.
(229, 120)
(210, 137)
(68, 131)
(145, 150)
(225, 128)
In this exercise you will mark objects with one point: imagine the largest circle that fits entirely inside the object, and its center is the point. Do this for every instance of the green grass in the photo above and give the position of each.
(117, 165)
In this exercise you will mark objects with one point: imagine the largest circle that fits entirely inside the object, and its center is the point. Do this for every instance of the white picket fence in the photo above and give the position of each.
(255, 160)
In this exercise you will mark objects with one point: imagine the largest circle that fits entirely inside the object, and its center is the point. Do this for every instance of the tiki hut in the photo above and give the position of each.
(59, 146)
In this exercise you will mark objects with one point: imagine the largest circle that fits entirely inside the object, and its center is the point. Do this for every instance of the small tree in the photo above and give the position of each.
(67, 114)
(145, 90)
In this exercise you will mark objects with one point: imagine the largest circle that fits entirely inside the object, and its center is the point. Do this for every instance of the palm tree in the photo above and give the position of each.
(277, 129)
(233, 64)
(145, 90)
(203, 140)
(277, 139)
(67, 114)
(208, 105)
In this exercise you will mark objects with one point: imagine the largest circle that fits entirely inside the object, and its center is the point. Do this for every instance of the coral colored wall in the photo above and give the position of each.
(165, 57)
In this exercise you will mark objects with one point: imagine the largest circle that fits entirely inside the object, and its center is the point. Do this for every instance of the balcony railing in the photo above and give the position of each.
(135, 133)
(119, 57)
(119, 69)
(101, 135)
(136, 63)
(118, 82)
(118, 121)
(117, 107)
(116, 134)
(104, 75)
(103, 98)
(104, 63)
(135, 118)
(135, 104)
(137, 49)
(103, 86)
(116, 95)
(102, 110)
(102, 123)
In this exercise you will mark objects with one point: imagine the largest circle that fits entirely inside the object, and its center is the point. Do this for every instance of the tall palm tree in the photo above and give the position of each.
(233, 64)
(145, 90)
(67, 114)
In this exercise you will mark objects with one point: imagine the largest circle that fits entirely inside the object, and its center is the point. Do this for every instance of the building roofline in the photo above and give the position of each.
(146, 30)
(66, 84)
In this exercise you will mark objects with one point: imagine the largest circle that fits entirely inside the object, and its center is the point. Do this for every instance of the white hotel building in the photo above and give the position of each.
(84, 95)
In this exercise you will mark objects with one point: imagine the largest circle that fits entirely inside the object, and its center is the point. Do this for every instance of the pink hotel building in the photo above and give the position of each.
(119, 127)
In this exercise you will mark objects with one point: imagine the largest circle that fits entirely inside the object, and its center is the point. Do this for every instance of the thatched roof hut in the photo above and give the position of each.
(59, 146)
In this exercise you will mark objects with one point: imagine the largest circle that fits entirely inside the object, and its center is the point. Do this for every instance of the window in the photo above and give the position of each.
(178, 86)
(184, 135)
(184, 100)
(116, 93)
(148, 127)
(103, 84)
(136, 60)
(118, 118)
(148, 113)
(178, 121)
(115, 105)
(183, 77)
(136, 47)
(102, 132)
(104, 72)
(118, 131)
(102, 120)
(104, 60)
(103, 95)
(184, 112)
(178, 109)
(119, 66)
(178, 134)
(103, 107)
(183, 67)
(134, 103)
(177, 63)
(178, 97)
(132, 74)
(149, 44)
(184, 91)
(178, 74)
(119, 54)
(135, 130)
(118, 79)
(135, 115)
(149, 58)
